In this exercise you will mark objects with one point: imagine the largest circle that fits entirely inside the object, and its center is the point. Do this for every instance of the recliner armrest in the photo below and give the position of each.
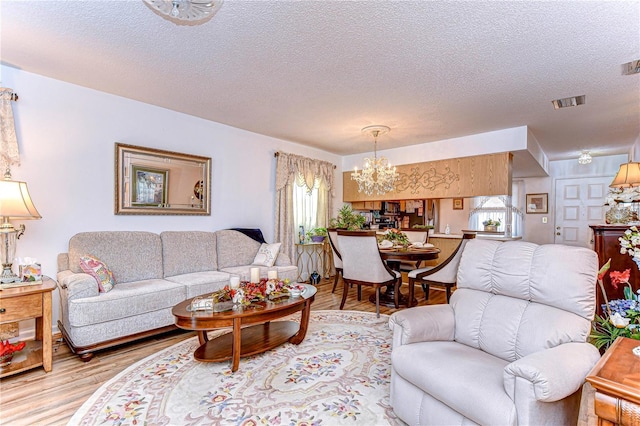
(422, 324)
(77, 286)
(555, 373)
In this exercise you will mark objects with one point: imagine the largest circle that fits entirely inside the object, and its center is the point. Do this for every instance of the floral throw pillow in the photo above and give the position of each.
(267, 254)
(98, 270)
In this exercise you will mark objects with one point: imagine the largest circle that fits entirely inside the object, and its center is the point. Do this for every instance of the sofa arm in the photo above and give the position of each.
(555, 373)
(422, 324)
(77, 286)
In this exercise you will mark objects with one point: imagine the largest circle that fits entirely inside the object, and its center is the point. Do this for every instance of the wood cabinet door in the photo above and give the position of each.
(607, 245)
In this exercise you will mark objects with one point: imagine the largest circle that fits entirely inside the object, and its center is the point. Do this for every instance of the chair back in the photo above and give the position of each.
(361, 260)
(447, 271)
(516, 298)
(333, 242)
(416, 236)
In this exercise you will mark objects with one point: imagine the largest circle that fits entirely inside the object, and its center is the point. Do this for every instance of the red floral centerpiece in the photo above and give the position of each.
(248, 292)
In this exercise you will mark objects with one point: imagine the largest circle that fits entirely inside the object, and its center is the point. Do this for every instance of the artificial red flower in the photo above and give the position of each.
(619, 277)
(9, 348)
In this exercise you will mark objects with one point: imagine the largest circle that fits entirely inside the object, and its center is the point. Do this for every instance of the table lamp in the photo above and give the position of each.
(15, 203)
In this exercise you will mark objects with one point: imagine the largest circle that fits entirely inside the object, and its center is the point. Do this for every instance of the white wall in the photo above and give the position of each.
(543, 233)
(66, 135)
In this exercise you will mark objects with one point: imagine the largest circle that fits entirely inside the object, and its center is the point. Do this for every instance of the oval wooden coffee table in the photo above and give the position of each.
(246, 341)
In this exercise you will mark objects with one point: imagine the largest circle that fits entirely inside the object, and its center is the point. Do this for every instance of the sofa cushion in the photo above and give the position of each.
(131, 255)
(184, 252)
(267, 254)
(465, 379)
(199, 283)
(125, 300)
(99, 271)
(284, 272)
(235, 249)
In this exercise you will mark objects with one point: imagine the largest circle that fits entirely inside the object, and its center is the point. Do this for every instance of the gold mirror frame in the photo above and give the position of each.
(151, 181)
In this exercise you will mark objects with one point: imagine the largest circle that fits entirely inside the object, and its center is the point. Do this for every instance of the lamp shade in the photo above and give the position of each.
(628, 176)
(15, 201)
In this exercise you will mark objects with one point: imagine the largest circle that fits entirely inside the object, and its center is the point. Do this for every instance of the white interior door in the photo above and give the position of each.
(579, 203)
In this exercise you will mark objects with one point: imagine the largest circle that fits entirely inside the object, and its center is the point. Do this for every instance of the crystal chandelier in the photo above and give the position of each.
(185, 12)
(377, 174)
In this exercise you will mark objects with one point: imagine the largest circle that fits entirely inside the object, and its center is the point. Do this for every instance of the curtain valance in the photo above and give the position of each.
(289, 166)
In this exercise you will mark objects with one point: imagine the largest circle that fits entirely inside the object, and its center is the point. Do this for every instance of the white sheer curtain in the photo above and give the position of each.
(504, 208)
(308, 176)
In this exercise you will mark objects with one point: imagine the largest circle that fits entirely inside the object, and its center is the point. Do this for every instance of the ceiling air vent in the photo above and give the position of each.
(631, 68)
(568, 102)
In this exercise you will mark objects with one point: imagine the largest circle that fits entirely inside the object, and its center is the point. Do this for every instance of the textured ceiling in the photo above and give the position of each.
(316, 72)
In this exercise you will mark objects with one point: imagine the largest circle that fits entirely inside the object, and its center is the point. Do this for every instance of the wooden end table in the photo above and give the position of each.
(616, 379)
(262, 336)
(24, 303)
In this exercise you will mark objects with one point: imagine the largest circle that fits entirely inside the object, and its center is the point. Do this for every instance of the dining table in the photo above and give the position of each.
(394, 256)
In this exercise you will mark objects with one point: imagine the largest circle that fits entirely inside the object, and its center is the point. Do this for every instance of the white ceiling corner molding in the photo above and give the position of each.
(185, 12)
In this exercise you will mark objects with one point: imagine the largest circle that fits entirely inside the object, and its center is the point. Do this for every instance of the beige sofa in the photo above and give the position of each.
(153, 272)
(511, 347)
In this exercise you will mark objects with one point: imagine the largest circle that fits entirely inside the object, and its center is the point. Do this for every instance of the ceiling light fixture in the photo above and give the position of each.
(185, 12)
(377, 174)
(569, 102)
(585, 157)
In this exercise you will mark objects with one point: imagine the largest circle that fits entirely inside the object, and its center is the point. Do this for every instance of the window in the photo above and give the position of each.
(309, 207)
(497, 208)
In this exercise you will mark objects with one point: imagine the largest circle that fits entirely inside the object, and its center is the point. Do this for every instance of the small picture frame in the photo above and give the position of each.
(538, 203)
(458, 203)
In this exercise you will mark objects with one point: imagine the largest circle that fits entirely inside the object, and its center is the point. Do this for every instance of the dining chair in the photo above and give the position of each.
(337, 259)
(363, 265)
(442, 275)
(414, 236)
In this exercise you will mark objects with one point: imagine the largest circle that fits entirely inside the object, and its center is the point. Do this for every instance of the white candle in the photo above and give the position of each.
(272, 275)
(255, 275)
(234, 281)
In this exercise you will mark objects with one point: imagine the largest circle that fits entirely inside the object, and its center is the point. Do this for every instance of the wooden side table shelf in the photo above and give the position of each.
(24, 303)
(616, 379)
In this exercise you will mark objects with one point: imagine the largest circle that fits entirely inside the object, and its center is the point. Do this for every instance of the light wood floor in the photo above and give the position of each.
(38, 398)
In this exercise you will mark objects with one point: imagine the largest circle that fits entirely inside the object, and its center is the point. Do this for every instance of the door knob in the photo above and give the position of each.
(557, 227)
(557, 233)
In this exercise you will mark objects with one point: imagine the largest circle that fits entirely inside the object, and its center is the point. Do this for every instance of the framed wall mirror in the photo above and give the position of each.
(156, 182)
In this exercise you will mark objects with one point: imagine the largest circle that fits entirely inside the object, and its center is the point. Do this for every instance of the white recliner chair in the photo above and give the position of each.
(511, 347)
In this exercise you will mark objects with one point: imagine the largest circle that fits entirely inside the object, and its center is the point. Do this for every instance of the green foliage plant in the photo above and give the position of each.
(347, 219)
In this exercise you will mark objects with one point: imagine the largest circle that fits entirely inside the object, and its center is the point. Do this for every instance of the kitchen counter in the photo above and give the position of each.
(496, 237)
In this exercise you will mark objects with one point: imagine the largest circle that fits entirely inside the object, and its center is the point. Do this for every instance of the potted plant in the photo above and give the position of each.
(317, 235)
(491, 225)
(397, 237)
(347, 219)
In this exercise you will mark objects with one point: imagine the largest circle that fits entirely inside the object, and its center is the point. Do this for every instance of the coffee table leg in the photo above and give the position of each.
(297, 338)
(203, 337)
(237, 346)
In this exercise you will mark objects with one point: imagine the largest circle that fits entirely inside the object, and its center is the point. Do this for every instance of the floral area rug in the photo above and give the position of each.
(339, 374)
